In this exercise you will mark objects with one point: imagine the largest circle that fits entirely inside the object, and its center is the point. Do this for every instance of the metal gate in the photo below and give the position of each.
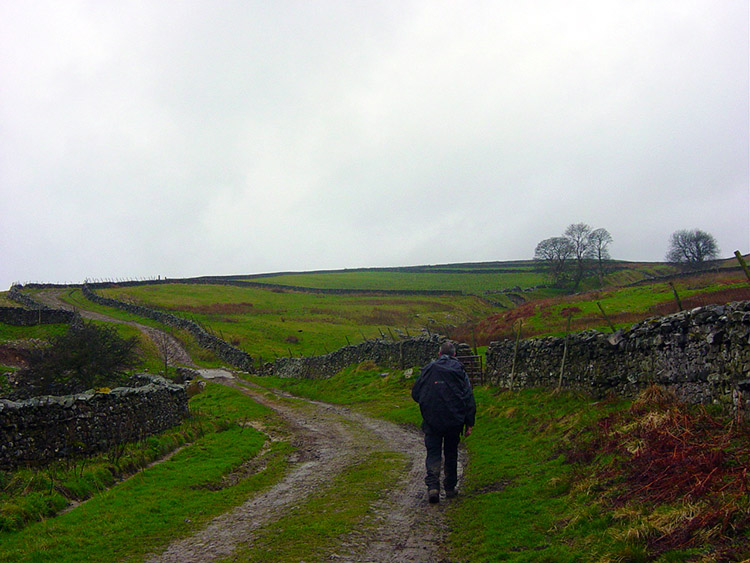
(474, 367)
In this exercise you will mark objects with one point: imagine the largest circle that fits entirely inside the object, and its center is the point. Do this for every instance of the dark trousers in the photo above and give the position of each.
(439, 445)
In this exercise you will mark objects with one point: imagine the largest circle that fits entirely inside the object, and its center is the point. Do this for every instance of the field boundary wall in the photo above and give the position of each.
(230, 354)
(41, 429)
(33, 313)
(702, 355)
(394, 354)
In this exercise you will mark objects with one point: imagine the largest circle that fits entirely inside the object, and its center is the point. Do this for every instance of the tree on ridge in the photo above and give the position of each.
(692, 248)
(600, 239)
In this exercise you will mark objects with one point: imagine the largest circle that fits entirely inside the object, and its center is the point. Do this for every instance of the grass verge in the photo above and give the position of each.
(372, 390)
(160, 503)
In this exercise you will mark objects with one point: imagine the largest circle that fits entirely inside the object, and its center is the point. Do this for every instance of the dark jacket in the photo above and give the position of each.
(444, 394)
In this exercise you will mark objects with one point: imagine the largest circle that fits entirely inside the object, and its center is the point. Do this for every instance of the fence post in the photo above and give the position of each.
(606, 318)
(565, 354)
(515, 353)
(741, 260)
(676, 297)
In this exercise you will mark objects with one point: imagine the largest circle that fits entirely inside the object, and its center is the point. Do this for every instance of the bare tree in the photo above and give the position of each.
(555, 252)
(579, 236)
(692, 248)
(164, 348)
(599, 240)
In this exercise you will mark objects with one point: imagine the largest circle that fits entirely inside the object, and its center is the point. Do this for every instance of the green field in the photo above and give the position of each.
(474, 283)
(270, 323)
(482, 279)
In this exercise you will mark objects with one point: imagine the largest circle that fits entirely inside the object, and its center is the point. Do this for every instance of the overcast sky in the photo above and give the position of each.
(185, 138)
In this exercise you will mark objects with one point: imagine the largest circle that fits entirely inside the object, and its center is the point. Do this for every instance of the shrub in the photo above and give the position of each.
(85, 357)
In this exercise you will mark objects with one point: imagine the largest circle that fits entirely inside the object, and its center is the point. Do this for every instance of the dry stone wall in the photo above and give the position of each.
(703, 355)
(230, 354)
(19, 316)
(32, 312)
(396, 354)
(42, 429)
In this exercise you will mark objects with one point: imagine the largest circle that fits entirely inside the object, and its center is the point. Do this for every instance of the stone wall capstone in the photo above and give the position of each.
(702, 355)
(39, 430)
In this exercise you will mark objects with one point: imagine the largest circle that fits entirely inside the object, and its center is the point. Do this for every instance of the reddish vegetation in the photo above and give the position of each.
(664, 453)
(12, 357)
(504, 325)
(219, 308)
(717, 297)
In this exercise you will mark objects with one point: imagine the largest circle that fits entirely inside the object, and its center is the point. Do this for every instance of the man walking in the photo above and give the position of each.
(446, 402)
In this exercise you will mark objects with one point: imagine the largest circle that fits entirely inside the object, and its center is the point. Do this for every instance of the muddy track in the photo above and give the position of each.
(401, 526)
(165, 342)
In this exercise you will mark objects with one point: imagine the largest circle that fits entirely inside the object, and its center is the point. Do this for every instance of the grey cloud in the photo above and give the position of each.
(212, 137)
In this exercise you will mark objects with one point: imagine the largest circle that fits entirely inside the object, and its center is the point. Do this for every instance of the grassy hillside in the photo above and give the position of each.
(275, 322)
(613, 306)
(474, 281)
(272, 323)
(483, 279)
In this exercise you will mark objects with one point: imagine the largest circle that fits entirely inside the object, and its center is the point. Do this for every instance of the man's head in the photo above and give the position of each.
(447, 348)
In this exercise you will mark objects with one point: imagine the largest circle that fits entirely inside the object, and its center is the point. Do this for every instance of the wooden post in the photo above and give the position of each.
(741, 260)
(515, 353)
(676, 297)
(347, 341)
(606, 318)
(565, 354)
